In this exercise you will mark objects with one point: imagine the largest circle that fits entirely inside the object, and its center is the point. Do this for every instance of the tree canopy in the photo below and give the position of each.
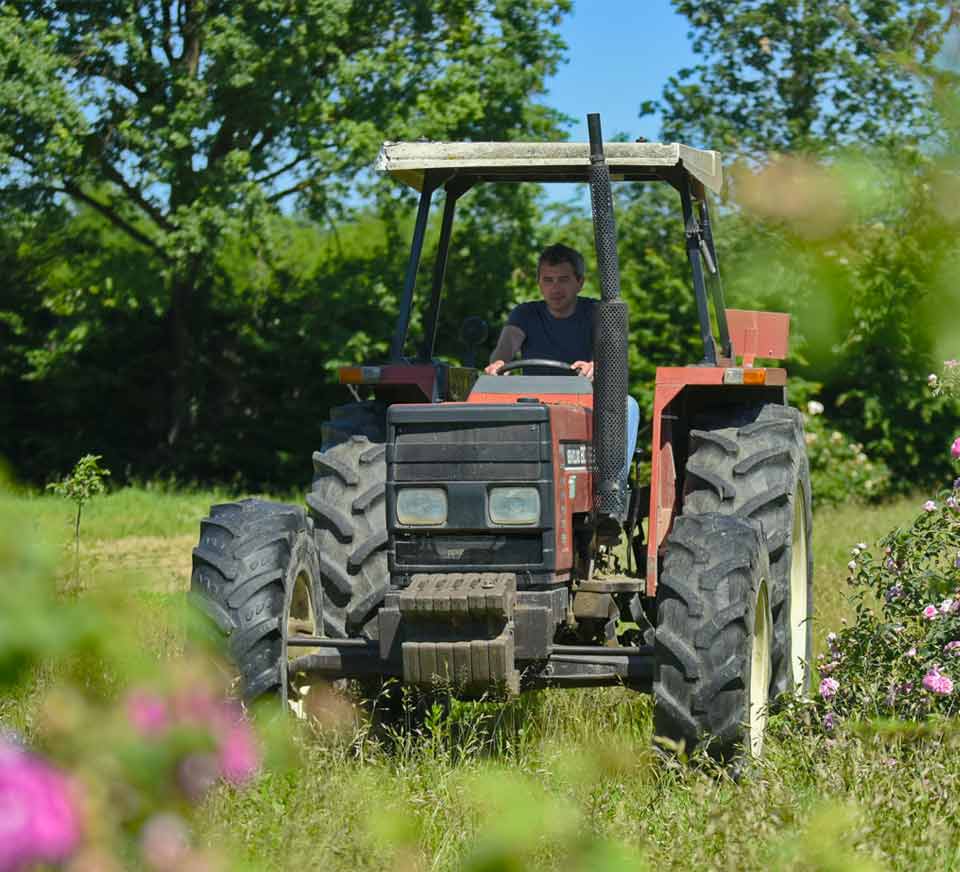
(186, 124)
(801, 75)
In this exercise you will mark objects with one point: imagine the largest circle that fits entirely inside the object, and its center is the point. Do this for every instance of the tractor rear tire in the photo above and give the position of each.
(752, 463)
(255, 566)
(348, 511)
(712, 645)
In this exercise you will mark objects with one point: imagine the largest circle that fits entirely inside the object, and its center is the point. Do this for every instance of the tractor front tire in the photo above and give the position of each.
(256, 570)
(347, 507)
(751, 463)
(713, 637)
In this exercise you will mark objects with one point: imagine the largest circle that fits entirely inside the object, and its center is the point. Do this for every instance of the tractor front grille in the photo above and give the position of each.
(433, 549)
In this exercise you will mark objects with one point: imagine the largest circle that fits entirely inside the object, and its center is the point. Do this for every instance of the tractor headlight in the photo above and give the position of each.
(514, 505)
(422, 506)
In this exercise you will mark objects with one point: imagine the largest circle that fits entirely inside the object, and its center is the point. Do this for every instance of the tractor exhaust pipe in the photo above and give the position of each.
(609, 344)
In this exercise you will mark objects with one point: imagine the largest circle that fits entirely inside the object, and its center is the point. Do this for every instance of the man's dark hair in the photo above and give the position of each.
(560, 253)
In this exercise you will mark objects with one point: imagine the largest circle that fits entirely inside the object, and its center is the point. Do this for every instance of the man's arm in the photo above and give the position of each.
(511, 338)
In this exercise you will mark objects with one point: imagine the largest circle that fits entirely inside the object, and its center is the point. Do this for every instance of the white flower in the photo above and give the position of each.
(814, 408)
(932, 379)
(852, 565)
(862, 545)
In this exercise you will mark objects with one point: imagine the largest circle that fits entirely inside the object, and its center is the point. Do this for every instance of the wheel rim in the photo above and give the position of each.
(798, 593)
(301, 621)
(760, 672)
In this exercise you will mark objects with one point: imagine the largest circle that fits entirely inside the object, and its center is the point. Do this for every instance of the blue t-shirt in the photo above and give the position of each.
(566, 339)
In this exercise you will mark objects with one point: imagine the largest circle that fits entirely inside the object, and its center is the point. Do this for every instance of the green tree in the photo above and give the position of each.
(802, 76)
(84, 482)
(188, 123)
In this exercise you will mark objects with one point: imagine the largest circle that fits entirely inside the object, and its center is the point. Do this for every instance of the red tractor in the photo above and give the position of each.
(476, 530)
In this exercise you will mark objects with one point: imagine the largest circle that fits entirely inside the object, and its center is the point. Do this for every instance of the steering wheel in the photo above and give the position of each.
(565, 368)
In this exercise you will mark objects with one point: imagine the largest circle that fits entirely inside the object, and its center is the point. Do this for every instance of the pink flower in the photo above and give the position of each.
(930, 612)
(238, 755)
(936, 682)
(38, 823)
(952, 503)
(829, 722)
(911, 652)
(829, 688)
(955, 449)
(148, 713)
(929, 506)
(952, 646)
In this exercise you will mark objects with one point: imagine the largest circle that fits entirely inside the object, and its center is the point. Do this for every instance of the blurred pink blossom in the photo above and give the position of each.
(946, 607)
(38, 823)
(197, 773)
(148, 713)
(829, 688)
(911, 652)
(829, 722)
(936, 682)
(929, 506)
(952, 646)
(239, 756)
(236, 755)
(164, 842)
(955, 449)
(930, 612)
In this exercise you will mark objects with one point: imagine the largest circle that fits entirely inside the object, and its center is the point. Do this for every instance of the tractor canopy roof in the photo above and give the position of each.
(410, 162)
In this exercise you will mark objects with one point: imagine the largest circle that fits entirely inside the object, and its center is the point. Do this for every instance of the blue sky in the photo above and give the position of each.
(620, 53)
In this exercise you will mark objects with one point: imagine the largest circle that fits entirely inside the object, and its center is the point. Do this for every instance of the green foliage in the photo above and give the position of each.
(184, 133)
(81, 485)
(792, 76)
(948, 383)
(840, 470)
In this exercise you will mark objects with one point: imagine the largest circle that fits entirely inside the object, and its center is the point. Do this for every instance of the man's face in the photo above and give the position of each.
(559, 285)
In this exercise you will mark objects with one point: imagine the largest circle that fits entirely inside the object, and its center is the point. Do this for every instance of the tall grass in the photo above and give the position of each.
(560, 779)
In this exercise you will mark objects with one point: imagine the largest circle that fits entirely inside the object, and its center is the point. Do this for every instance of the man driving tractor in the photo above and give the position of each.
(559, 327)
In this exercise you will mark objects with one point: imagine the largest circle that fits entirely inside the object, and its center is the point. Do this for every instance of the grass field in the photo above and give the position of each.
(558, 779)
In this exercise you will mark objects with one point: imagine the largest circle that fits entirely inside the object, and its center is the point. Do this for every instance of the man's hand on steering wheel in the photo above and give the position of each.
(584, 368)
(494, 367)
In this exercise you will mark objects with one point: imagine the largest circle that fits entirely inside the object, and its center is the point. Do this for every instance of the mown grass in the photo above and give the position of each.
(558, 779)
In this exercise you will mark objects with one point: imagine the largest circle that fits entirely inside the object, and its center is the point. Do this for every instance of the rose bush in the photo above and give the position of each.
(104, 749)
(900, 657)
